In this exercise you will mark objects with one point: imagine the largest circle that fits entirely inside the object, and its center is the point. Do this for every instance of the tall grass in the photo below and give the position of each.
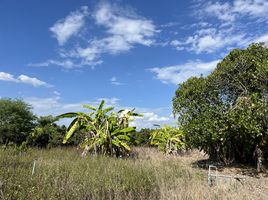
(63, 174)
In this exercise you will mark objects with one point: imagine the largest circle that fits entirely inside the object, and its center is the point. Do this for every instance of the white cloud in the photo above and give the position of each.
(23, 79)
(120, 22)
(67, 63)
(179, 73)
(230, 11)
(170, 24)
(262, 38)
(114, 81)
(32, 81)
(222, 11)
(44, 106)
(230, 30)
(7, 77)
(56, 93)
(65, 28)
(123, 28)
(54, 106)
(152, 117)
(210, 40)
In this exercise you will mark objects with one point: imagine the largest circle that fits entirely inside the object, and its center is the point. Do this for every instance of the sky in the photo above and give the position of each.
(59, 54)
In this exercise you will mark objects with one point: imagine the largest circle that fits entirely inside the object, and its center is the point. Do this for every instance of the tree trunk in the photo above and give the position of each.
(259, 158)
(85, 152)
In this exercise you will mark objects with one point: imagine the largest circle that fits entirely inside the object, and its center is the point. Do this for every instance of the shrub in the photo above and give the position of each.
(16, 121)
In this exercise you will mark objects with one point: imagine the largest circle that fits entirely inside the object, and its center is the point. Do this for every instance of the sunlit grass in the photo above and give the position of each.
(62, 174)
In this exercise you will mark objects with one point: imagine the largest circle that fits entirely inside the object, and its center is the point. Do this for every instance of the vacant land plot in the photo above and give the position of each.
(63, 174)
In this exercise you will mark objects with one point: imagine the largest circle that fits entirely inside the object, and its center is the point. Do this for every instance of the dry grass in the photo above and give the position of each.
(193, 184)
(63, 174)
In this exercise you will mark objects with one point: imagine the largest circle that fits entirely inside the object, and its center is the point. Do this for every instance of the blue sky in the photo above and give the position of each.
(58, 54)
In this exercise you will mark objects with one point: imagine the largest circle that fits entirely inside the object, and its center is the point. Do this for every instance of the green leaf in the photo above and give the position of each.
(108, 109)
(66, 115)
(116, 143)
(125, 130)
(123, 137)
(89, 107)
(72, 129)
(101, 105)
(122, 110)
(125, 145)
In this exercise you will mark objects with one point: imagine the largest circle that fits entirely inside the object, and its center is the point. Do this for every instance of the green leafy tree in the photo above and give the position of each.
(225, 114)
(16, 121)
(106, 132)
(141, 137)
(168, 139)
(46, 133)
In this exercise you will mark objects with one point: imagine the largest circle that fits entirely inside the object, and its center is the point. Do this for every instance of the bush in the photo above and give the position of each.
(139, 138)
(16, 121)
(47, 133)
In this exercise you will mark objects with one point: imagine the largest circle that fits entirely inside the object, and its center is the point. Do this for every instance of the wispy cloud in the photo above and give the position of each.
(65, 28)
(23, 79)
(7, 77)
(223, 25)
(179, 73)
(54, 106)
(150, 119)
(114, 81)
(122, 27)
(223, 11)
(125, 23)
(231, 11)
(210, 40)
(262, 38)
(66, 63)
(154, 116)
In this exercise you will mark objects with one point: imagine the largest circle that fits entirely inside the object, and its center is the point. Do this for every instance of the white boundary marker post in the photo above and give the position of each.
(210, 174)
(34, 165)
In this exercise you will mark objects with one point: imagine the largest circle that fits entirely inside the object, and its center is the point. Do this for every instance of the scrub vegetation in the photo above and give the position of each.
(62, 174)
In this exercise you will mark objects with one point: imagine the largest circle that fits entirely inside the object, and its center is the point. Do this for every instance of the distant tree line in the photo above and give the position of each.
(18, 125)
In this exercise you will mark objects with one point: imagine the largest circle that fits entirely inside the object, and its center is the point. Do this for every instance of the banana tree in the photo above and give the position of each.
(125, 116)
(105, 134)
(168, 139)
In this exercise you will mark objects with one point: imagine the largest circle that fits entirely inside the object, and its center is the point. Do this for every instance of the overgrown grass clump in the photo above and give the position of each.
(62, 174)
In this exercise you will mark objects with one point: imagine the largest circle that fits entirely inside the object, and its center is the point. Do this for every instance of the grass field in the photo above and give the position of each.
(63, 174)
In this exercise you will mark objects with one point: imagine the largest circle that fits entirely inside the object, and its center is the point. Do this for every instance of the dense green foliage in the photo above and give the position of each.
(141, 137)
(16, 121)
(46, 133)
(106, 132)
(168, 139)
(226, 114)
(19, 126)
